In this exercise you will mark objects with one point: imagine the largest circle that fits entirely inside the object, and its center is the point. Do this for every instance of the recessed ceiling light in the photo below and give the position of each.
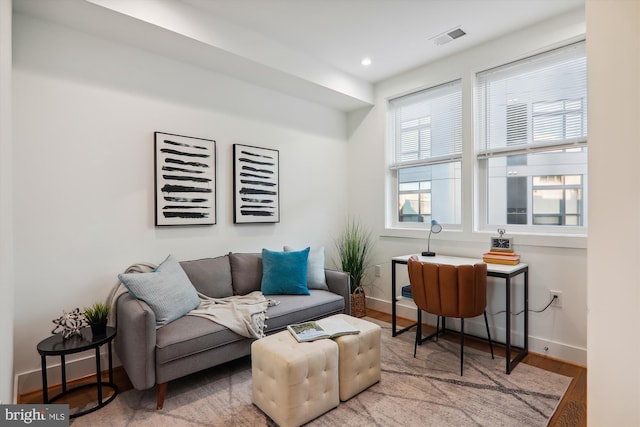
(366, 61)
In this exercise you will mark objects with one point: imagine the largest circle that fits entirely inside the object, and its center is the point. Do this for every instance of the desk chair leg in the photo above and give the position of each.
(461, 344)
(418, 332)
(486, 322)
(438, 328)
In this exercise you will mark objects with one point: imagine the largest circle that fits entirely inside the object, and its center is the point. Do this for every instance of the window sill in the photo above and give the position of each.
(574, 241)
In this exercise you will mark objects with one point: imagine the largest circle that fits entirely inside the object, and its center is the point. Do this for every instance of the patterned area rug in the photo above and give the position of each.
(425, 391)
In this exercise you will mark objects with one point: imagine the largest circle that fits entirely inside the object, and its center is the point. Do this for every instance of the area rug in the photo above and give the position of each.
(423, 391)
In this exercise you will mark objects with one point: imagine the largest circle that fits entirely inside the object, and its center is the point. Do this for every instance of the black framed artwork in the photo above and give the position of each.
(185, 180)
(256, 187)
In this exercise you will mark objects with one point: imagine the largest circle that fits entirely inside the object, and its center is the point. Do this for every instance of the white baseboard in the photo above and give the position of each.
(80, 367)
(561, 351)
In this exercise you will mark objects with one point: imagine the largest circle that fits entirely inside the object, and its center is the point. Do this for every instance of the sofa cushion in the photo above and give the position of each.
(301, 308)
(284, 272)
(211, 276)
(191, 335)
(246, 272)
(316, 278)
(167, 290)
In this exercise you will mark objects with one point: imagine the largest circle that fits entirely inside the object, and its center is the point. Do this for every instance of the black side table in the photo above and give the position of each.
(55, 345)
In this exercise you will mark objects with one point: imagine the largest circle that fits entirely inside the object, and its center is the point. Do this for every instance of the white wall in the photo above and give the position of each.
(556, 263)
(84, 114)
(613, 51)
(6, 209)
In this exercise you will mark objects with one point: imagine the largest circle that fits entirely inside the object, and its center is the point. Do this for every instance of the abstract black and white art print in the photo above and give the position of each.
(255, 188)
(185, 180)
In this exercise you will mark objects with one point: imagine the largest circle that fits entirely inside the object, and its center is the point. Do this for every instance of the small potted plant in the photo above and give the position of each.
(354, 246)
(97, 316)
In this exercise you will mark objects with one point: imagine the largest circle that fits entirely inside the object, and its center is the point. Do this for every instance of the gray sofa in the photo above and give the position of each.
(152, 355)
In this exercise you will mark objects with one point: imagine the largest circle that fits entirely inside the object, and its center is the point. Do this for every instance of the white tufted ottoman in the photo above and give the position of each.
(359, 357)
(293, 382)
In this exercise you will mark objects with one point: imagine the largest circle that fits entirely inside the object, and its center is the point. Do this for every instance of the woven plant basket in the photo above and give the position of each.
(358, 308)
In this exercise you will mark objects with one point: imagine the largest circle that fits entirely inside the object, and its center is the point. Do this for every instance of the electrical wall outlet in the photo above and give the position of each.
(378, 271)
(557, 302)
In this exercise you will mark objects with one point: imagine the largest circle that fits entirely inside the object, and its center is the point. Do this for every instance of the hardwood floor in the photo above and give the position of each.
(572, 410)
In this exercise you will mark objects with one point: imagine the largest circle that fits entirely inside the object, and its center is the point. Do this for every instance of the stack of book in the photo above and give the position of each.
(501, 257)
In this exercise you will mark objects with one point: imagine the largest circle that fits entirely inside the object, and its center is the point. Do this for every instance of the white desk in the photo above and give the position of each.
(506, 272)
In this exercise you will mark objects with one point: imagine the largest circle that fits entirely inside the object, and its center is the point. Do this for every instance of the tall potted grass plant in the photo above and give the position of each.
(355, 245)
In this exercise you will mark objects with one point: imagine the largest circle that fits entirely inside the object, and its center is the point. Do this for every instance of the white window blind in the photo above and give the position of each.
(534, 104)
(427, 126)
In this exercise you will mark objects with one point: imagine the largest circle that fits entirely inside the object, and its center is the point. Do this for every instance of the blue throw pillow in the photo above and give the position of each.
(284, 273)
(167, 290)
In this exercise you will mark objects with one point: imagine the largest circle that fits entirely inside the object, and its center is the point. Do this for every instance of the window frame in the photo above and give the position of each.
(483, 153)
(392, 215)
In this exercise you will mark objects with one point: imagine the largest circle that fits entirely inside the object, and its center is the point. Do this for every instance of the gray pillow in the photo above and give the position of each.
(246, 272)
(211, 276)
(167, 290)
(316, 278)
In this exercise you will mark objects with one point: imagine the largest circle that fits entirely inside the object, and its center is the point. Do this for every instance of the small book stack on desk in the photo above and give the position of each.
(501, 257)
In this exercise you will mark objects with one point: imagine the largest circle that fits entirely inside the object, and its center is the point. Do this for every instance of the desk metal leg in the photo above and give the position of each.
(526, 312)
(394, 299)
(508, 325)
(525, 347)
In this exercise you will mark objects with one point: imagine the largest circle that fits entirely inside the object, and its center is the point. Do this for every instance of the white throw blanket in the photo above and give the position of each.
(243, 314)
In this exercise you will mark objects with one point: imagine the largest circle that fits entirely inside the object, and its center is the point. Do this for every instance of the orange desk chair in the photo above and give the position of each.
(449, 291)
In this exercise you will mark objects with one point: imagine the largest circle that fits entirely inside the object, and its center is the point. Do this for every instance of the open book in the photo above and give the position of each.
(323, 328)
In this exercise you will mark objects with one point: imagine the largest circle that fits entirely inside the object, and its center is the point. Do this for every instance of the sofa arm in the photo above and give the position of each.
(339, 283)
(135, 341)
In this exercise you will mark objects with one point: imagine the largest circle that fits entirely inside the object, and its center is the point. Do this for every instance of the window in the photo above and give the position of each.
(532, 140)
(426, 136)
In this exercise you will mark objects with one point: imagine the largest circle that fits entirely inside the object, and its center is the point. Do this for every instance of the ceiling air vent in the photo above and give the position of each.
(447, 36)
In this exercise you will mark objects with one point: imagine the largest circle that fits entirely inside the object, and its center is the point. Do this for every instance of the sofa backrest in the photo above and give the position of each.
(211, 276)
(246, 272)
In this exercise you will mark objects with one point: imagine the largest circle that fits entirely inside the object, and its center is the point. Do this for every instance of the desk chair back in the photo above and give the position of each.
(449, 291)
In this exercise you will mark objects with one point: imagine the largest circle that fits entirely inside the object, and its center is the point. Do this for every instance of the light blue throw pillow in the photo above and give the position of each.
(316, 277)
(284, 273)
(167, 290)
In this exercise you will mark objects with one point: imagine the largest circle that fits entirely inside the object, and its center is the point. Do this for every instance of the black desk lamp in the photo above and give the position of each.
(435, 228)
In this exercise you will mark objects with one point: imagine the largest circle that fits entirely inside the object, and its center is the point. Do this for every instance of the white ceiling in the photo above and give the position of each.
(395, 34)
(306, 48)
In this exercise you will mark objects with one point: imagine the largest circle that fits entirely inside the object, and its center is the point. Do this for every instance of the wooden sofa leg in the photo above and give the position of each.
(162, 392)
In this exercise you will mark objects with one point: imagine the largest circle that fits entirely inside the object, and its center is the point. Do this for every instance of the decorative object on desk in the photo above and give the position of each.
(70, 323)
(185, 180)
(501, 243)
(354, 246)
(435, 228)
(97, 316)
(256, 189)
(501, 251)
